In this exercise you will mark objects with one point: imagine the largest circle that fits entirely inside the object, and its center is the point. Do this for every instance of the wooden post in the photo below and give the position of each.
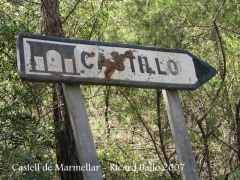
(82, 133)
(180, 135)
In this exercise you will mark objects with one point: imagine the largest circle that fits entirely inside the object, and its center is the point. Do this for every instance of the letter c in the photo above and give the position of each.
(84, 53)
(13, 167)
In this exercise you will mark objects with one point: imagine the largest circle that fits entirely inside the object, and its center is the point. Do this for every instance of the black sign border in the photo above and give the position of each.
(211, 72)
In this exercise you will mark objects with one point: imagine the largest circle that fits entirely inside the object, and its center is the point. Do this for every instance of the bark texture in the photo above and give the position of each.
(65, 145)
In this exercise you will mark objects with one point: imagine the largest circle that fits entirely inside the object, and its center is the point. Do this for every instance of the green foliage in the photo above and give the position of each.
(127, 131)
(26, 134)
(235, 174)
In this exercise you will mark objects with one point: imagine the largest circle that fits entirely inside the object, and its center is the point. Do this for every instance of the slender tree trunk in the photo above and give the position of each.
(207, 151)
(65, 144)
(238, 130)
(106, 111)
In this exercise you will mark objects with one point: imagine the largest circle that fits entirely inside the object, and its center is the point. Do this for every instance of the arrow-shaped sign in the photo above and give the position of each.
(52, 59)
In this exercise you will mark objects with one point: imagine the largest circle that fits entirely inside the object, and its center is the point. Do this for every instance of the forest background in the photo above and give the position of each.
(129, 125)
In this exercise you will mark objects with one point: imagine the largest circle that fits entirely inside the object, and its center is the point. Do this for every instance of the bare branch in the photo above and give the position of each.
(73, 9)
(144, 124)
(95, 22)
(223, 75)
(218, 11)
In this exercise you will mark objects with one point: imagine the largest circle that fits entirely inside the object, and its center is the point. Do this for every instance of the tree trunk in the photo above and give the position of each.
(65, 144)
(238, 130)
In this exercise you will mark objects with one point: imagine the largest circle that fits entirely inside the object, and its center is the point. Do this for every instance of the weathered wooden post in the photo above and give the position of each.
(82, 133)
(69, 61)
(180, 135)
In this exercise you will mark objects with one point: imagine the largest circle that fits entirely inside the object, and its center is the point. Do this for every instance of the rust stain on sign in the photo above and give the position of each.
(92, 54)
(117, 64)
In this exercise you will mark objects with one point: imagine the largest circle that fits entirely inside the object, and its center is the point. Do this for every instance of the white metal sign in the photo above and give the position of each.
(50, 59)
